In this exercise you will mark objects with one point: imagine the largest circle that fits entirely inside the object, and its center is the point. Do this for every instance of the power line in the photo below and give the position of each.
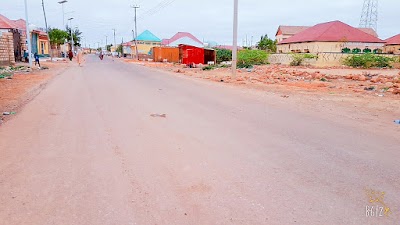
(156, 9)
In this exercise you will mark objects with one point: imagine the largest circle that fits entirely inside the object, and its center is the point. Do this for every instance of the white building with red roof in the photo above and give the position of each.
(182, 38)
(392, 45)
(333, 37)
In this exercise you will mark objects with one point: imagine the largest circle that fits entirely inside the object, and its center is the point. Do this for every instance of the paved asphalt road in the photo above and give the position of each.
(87, 151)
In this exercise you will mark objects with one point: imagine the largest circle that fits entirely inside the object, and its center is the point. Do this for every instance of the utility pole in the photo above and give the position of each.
(115, 41)
(106, 44)
(28, 35)
(135, 7)
(47, 30)
(235, 33)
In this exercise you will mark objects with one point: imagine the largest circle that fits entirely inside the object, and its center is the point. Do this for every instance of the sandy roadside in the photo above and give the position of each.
(23, 87)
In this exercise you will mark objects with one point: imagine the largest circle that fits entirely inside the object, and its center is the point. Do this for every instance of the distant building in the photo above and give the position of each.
(285, 32)
(333, 37)
(13, 38)
(182, 38)
(145, 43)
(392, 45)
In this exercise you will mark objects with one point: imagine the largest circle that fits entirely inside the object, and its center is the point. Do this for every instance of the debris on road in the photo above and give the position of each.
(9, 113)
(159, 115)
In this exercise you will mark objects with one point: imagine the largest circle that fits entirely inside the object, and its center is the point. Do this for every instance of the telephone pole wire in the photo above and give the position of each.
(135, 7)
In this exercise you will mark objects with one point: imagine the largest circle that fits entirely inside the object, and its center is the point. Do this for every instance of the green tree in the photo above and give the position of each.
(109, 47)
(57, 36)
(76, 34)
(120, 49)
(267, 44)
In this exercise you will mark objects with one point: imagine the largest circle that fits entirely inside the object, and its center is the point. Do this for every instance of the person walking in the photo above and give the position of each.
(37, 59)
(79, 57)
(70, 55)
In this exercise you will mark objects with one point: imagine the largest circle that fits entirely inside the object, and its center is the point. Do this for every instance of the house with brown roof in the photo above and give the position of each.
(392, 45)
(285, 32)
(332, 37)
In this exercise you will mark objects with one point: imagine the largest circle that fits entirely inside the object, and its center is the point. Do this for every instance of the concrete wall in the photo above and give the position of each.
(6, 49)
(331, 47)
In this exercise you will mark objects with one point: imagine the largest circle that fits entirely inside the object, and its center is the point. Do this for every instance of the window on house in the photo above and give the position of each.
(367, 50)
(346, 50)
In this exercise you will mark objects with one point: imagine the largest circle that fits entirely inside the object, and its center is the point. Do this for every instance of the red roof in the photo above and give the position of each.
(6, 23)
(334, 31)
(178, 36)
(369, 31)
(20, 24)
(395, 40)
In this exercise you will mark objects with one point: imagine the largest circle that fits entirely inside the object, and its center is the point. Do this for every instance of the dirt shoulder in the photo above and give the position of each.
(24, 86)
(368, 98)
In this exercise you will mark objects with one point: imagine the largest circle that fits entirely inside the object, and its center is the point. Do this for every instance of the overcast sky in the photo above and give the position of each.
(206, 19)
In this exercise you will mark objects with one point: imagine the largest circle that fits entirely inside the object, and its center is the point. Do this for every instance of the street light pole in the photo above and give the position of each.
(136, 46)
(235, 34)
(115, 42)
(106, 44)
(72, 37)
(28, 35)
(62, 4)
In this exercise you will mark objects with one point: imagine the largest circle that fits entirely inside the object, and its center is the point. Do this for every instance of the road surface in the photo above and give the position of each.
(88, 150)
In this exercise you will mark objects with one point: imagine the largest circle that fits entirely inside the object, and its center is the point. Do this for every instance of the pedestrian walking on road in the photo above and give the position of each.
(70, 55)
(79, 57)
(37, 60)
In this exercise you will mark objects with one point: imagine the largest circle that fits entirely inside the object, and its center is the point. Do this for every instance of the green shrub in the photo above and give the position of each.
(4, 75)
(249, 58)
(224, 55)
(368, 61)
(209, 67)
(298, 59)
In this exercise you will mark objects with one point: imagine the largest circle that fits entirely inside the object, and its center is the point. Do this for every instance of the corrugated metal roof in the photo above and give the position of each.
(148, 36)
(395, 40)
(334, 31)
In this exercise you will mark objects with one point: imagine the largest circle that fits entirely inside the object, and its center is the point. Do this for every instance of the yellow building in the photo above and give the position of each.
(145, 43)
(392, 45)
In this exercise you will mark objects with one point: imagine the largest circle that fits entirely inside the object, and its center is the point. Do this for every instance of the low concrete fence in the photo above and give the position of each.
(323, 60)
